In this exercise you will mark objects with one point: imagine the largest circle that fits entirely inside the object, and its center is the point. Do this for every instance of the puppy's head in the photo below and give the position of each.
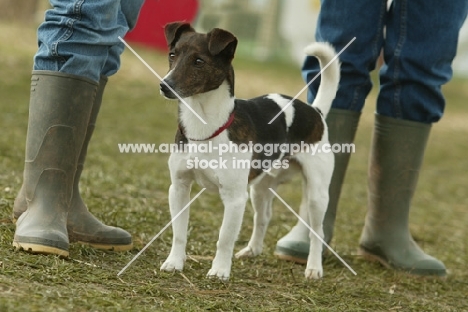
(198, 63)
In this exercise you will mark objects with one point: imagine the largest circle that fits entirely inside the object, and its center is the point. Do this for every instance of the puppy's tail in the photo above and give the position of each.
(330, 76)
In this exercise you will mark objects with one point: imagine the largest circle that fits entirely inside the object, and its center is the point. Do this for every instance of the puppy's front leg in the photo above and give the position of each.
(234, 201)
(179, 197)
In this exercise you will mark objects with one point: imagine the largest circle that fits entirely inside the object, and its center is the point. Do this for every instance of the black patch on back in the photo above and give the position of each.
(251, 125)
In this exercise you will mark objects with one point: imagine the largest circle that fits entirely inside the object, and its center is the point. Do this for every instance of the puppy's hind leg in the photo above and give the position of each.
(261, 198)
(317, 173)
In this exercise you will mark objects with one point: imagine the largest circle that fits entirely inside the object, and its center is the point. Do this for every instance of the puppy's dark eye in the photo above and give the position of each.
(199, 62)
(171, 56)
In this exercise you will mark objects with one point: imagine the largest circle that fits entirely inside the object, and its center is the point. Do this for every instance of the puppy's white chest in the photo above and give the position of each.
(205, 170)
(207, 178)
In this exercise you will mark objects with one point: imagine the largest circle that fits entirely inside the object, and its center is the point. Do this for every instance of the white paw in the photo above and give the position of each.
(173, 264)
(221, 273)
(247, 252)
(313, 274)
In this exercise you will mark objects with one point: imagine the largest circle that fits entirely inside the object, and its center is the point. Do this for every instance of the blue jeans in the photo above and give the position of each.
(80, 37)
(419, 41)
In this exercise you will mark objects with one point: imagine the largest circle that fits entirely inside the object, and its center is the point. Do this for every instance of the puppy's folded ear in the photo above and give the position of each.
(173, 31)
(222, 42)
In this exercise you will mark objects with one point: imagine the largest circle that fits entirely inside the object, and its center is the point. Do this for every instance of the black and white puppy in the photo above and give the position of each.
(201, 75)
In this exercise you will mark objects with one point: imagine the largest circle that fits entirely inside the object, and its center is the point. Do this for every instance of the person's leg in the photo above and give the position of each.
(75, 42)
(82, 226)
(420, 45)
(339, 22)
(77, 36)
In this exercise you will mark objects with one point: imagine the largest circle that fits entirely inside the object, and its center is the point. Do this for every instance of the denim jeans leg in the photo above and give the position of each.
(112, 64)
(128, 15)
(76, 35)
(339, 21)
(421, 42)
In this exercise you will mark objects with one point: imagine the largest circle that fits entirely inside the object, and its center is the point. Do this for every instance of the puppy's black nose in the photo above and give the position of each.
(165, 90)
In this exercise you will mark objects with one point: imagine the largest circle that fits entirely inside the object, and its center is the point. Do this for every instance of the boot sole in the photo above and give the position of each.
(290, 258)
(375, 258)
(117, 248)
(40, 249)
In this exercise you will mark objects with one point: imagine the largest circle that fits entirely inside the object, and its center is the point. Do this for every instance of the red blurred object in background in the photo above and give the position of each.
(155, 14)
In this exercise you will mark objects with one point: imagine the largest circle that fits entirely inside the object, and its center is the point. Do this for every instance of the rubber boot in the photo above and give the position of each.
(82, 226)
(59, 110)
(396, 157)
(342, 126)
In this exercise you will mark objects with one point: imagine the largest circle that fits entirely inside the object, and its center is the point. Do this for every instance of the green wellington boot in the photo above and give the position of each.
(81, 225)
(396, 158)
(294, 246)
(59, 110)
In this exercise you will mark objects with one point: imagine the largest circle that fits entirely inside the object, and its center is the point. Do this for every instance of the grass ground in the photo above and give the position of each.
(130, 190)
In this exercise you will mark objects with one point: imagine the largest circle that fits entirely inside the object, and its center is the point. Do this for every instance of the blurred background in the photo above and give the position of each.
(267, 29)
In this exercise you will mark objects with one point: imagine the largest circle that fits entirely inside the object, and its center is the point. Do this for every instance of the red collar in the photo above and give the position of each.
(217, 132)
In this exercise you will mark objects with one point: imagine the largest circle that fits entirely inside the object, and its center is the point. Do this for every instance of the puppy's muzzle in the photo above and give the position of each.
(166, 89)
